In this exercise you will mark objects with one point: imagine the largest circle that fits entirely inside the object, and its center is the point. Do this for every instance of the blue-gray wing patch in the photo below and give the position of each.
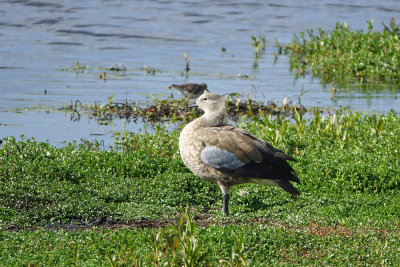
(219, 158)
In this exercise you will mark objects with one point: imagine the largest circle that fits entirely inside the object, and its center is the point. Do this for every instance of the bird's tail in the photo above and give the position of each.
(288, 187)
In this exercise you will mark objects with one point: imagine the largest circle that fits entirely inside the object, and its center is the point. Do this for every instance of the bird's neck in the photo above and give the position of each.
(213, 118)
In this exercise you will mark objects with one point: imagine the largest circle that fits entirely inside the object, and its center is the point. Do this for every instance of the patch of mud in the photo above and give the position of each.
(318, 230)
(201, 219)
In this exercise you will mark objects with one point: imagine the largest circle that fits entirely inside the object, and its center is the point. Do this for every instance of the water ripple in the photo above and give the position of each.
(64, 43)
(119, 35)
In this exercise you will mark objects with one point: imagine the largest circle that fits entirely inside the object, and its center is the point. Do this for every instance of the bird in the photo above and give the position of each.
(228, 156)
(192, 90)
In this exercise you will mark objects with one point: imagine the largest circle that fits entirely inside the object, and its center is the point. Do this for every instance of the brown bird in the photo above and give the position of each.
(193, 90)
(228, 156)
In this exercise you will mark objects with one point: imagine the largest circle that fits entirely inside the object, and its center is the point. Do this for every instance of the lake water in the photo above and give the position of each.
(41, 41)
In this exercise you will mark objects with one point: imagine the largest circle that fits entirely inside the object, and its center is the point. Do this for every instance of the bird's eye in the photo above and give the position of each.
(205, 98)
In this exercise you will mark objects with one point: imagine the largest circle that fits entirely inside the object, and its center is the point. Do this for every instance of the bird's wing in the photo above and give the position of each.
(224, 144)
(233, 150)
(189, 87)
(263, 146)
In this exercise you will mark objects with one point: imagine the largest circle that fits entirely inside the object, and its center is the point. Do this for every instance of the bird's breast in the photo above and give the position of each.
(190, 147)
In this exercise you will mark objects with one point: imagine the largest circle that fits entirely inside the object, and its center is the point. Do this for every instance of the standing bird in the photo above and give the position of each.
(192, 90)
(228, 156)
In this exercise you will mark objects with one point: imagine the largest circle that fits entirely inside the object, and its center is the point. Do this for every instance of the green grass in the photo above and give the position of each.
(347, 214)
(267, 244)
(344, 55)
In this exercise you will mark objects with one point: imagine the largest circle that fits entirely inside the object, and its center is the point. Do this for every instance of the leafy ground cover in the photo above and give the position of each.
(85, 206)
(346, 55)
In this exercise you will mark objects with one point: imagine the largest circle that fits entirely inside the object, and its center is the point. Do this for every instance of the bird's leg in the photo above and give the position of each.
(225, 211)
(170, 91)
(225, 190)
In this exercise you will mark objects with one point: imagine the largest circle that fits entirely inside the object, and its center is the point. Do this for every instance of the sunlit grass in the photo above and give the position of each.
(345, 55)
(347, 212)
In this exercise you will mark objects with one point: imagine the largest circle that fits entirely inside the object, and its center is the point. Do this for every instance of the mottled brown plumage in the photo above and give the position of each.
(227, 155)
(193, 90)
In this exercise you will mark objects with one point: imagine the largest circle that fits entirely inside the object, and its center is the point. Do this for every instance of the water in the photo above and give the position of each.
(41, 40)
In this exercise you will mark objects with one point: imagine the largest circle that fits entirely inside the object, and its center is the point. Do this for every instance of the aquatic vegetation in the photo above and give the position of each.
(171, 109)
(258, 45)
(259, 48)
(149, 70)
(161, 110)
(187, 68)
(345, 55)
(103, 76)
(117, 67)
(119, 70)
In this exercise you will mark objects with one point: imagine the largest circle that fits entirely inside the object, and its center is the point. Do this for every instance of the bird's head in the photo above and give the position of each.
(214, 108)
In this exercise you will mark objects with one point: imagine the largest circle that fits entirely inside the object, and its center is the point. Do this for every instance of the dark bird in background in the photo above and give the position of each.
(228, 156)
(192, 90)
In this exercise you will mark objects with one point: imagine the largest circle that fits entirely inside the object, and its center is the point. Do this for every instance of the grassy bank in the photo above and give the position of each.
(80, 204)
(344, 55)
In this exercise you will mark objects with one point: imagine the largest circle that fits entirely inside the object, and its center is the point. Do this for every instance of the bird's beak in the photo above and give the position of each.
(193, 106)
